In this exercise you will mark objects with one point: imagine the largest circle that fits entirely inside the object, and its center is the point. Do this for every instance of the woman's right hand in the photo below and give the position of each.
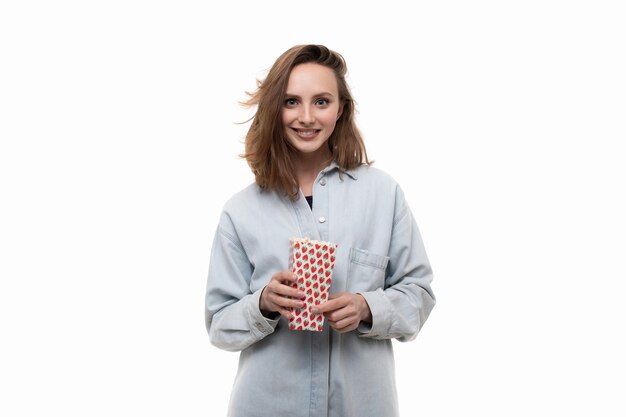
(279, 294)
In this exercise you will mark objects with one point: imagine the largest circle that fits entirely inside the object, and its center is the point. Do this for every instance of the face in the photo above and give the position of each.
(311, 108)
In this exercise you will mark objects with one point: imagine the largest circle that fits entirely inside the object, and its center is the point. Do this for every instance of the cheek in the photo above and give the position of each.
(330, 119)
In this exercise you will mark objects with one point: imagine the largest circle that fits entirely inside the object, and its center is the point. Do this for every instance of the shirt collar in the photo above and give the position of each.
(333, 166)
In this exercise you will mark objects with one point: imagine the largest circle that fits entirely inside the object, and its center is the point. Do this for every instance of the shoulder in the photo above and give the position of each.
(250, 201)
(237, 208)
(373, 176)
(386, 190)
(243, 198)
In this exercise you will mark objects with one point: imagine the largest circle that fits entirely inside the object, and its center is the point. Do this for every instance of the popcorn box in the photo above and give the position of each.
(312, 261)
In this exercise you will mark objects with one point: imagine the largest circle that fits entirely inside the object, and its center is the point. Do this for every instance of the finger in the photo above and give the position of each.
(343, 326)
(330, 305)
(284, 276)
(287, 291)
(285, 313)
(289, 302)
(284, 301)
(340, 314)
(283, 290)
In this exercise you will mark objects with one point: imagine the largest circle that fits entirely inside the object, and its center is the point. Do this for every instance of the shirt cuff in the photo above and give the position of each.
(381, 317)
(260, 325)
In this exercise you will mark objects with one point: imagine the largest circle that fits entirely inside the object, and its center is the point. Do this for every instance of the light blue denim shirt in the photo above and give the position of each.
(380, 255)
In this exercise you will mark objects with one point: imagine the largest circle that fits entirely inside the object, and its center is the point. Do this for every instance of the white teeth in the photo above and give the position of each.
(306, 132)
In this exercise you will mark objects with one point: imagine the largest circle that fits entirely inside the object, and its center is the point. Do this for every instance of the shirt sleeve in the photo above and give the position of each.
(232, 315)
(401, 308)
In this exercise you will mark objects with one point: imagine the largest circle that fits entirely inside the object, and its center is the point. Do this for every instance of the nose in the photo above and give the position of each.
(306, 115)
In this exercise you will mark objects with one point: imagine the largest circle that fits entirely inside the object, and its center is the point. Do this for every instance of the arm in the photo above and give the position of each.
(400, 310)
(232, 314)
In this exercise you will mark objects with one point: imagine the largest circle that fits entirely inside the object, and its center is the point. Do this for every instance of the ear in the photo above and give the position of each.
(340, 111)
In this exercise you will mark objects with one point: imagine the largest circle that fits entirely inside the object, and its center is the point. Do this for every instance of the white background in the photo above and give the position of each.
(503, 121)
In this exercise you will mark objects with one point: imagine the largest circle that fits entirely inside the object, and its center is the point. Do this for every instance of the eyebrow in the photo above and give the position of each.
(325, 93)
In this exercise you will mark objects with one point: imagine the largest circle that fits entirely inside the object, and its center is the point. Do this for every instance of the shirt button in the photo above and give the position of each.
(322, 219)
(323, 181)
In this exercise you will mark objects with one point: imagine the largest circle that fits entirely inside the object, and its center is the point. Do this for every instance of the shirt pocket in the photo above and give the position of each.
(366, 271)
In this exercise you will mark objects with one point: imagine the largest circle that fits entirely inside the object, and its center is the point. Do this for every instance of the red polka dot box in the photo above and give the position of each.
(312, 261)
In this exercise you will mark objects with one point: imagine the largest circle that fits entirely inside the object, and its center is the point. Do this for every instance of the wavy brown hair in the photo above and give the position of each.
(267, 151)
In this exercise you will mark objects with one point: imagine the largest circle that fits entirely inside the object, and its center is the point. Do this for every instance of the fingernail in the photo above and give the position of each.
(314, 310)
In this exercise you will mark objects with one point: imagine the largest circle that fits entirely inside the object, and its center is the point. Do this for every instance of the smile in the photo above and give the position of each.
(306, 133)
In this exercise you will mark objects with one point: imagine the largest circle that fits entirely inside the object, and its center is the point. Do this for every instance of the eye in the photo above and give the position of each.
(290, 102)
(322, 102)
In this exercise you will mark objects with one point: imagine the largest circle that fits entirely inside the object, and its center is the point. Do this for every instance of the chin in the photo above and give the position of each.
(307, 147)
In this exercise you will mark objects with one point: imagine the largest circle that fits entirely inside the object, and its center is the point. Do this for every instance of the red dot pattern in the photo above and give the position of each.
(312, 261)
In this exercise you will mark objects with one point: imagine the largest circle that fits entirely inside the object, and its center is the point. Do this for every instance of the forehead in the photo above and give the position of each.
(312, 78)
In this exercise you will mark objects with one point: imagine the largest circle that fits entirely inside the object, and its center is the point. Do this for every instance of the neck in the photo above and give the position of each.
(308, 167)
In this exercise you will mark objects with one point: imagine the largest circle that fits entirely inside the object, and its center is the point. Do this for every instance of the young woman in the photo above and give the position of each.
(314, 180)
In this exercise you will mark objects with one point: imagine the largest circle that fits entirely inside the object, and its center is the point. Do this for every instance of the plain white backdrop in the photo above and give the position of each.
(503, 121)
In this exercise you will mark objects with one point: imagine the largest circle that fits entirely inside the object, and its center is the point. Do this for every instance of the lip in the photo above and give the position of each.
(306, 134)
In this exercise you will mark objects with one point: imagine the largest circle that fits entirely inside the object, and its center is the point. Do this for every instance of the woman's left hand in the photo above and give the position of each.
(344, 311)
